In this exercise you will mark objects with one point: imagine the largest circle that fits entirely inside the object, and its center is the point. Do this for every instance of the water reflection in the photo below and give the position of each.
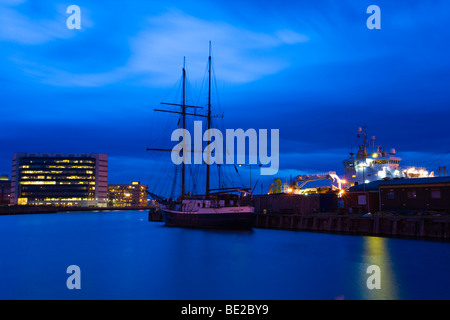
(122, 256)
(376, 252)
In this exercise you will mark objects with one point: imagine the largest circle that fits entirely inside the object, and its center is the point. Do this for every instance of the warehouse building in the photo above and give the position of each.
(428, 195)
(414, 195)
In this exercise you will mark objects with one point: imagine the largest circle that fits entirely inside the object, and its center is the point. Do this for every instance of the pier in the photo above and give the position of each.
(426, 228)
(436, 228)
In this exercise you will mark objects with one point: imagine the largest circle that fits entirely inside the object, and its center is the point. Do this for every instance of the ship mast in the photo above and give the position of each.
(363, 153)
(183, 112)
(209, 121)
(183, 108)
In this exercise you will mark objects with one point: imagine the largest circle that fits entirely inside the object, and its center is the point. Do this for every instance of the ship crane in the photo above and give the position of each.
(330, 176)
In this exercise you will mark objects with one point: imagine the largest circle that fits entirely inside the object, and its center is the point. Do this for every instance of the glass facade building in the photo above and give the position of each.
(74, 179)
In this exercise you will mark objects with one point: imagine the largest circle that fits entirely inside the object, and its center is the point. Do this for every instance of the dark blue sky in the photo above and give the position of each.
(309, 68)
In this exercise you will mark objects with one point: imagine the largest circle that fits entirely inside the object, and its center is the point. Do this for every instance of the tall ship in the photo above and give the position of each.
(372, 163)
(223, 208)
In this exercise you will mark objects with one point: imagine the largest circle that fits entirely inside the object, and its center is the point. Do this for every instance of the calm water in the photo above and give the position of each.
(123, 256)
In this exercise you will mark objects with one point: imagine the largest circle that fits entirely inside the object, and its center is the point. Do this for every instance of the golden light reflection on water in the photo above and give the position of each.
(376, 252)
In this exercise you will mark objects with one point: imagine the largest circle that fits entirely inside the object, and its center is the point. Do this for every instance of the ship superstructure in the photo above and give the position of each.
(376, 164)
(370, 163)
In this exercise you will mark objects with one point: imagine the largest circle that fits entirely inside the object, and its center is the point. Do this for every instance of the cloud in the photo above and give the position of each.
(18, 28)
(239, 52)
(25, 30)
(156, 53)
(291, 37)
(12, 2)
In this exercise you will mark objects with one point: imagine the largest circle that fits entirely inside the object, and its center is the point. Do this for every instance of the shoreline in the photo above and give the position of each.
(14, 210)
(396, 226)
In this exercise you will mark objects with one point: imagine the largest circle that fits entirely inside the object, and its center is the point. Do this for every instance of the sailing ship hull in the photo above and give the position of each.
(221, 220)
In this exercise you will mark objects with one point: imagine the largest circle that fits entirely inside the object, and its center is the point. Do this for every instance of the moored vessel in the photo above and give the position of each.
(229, 208)
(377, 164)
(216, 212)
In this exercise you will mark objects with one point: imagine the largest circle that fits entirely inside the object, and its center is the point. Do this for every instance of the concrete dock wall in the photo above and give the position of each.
(415, 227)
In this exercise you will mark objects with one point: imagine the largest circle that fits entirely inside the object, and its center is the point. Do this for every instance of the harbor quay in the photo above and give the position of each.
(322, 213)
(430, 228)
(13, 210)
(332, 213)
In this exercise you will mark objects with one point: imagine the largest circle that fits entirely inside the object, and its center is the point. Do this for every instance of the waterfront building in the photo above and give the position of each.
(426, 195)
(295, 204)
(5, 190)
(127, 195)
(413, 195)
(73, 179)
(362, 200)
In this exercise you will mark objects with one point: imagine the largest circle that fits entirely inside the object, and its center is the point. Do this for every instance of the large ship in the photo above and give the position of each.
(228, 208)
(370, 163)
(375, 163)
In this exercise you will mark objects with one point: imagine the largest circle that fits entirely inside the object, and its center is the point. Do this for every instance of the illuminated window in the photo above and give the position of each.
(37, 182)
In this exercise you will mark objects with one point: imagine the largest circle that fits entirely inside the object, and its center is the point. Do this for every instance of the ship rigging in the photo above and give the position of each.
(221, 208)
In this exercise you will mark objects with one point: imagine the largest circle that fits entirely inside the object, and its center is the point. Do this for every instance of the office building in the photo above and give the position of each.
(73, 179)
(127, 195)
